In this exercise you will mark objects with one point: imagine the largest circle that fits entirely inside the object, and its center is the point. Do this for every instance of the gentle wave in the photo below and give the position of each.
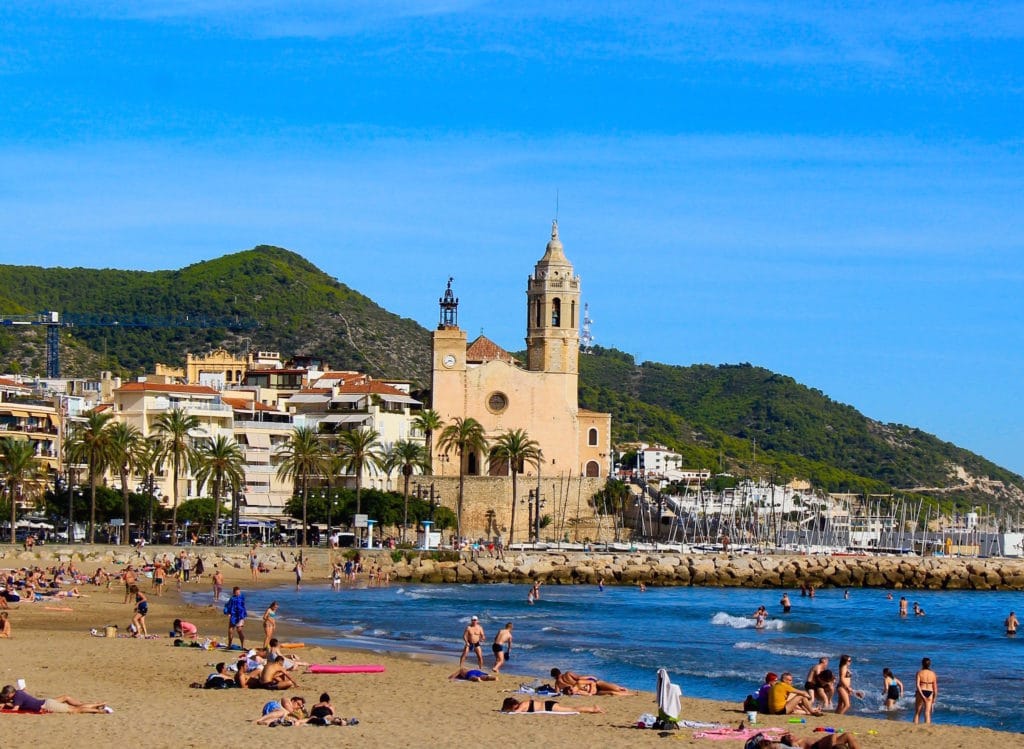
(741, 622)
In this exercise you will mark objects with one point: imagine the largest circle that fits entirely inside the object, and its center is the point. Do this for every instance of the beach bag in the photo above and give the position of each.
(646, 721)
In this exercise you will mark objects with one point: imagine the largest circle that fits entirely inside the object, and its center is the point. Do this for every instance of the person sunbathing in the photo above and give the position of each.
(512, 705)
(286, 712)
(472, 674)
(569, 683)
(18, 700)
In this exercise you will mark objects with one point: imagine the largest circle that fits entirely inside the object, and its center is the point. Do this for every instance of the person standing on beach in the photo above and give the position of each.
(818, 687)
(269, 623)
(845, 691)
(298, 574)
(141, 609)
(235, 609)
(926, 691)
(472, 638)
(130, 578)
(158, 579)
(502, 647)
(1011, 624)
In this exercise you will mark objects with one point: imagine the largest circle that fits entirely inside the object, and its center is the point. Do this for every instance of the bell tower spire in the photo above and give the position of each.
(552, 311)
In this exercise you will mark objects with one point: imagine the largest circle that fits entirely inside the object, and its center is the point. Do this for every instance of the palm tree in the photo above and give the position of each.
(126, 448)
(172, 431)
(222, 461)
(515, 448)
(90, 444)
(407, 456)
(302, 457)
(150, 463)
(428, 422)
(465, 435)
(18, 463)
(360, 450)
(334, 467)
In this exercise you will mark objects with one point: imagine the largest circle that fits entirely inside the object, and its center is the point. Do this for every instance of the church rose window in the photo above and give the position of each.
(497, 402)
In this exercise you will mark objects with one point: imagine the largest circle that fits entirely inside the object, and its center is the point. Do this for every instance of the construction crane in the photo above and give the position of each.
(53, 322)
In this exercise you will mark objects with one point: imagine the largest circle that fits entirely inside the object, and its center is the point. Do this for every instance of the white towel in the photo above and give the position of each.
(669, 696)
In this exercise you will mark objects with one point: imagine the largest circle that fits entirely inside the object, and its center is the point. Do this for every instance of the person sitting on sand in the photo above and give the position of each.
(512, 705)
(18, 700)
(569, 683)
(273, 676)
(5, 625)
(248, 674)
(472, 674)
(785, 699)
(289, 711)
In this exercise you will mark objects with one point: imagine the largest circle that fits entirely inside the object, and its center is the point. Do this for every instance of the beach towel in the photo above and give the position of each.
(543, 712)
(737, 734)
(669, 699)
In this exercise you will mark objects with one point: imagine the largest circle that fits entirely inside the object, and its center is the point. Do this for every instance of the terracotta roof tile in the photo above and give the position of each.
(483, 349)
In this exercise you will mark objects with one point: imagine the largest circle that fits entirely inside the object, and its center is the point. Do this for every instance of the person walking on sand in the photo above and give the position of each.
(235, 609)
(141, 609)
(1011, 624)
(472, 638)
(130, 578)
(502, 647)
(925, 692)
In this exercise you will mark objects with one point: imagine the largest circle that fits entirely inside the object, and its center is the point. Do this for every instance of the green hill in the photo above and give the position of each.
(755, 422)
(737, 418)
(300, 310)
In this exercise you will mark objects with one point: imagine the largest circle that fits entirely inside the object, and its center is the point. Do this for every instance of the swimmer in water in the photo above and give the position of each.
(785, 603)
(1011, 624)
(892, 688)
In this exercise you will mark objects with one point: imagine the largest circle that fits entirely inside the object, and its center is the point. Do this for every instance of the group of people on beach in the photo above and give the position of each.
(778, 696)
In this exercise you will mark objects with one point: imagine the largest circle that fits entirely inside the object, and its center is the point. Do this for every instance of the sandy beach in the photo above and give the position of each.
(410, 704)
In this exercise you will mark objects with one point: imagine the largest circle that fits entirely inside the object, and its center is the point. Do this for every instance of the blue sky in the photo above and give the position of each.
(829, 190)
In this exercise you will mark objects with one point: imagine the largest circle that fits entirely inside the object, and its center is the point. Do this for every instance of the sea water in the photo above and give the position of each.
(705, 637)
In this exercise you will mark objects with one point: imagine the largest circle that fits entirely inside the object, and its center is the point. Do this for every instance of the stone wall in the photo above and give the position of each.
(770, 571)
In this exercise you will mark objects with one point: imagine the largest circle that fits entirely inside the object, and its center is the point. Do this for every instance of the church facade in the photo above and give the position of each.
(483, 381)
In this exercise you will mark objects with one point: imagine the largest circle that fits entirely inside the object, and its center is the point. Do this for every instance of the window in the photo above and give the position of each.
(556, 313)
(497, 402)
(592, 438)
(536, 315)
(593, 469)
(572, 314)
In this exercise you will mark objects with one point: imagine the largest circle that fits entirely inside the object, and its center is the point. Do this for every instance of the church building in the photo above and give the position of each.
(483, 381)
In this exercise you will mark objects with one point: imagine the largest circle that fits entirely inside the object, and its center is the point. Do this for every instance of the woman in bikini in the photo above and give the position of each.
(512, 705)
(845, 689)
(926, 692)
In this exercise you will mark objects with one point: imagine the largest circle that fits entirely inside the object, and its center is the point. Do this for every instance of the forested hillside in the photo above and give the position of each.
(279, 300)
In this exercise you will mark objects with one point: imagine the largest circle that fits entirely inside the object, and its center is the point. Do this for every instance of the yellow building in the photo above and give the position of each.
(37, 421)
(483, 381)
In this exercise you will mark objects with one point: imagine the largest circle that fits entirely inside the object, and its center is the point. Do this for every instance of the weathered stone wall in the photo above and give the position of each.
(770, 571)
(564, 499)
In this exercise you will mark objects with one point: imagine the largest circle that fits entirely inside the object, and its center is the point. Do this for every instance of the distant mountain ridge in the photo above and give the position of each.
(738, 418)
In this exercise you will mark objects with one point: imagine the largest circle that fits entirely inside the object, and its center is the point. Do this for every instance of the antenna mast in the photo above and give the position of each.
(587, 337)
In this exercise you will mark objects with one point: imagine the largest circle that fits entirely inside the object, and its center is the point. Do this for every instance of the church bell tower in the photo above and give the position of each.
(552, 311)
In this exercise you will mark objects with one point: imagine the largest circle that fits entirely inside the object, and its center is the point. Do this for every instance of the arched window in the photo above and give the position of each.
(592, 438)
(593, 469)
(556, 313)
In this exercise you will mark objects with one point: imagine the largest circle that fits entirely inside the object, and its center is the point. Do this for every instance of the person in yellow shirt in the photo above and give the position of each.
(785, 699)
